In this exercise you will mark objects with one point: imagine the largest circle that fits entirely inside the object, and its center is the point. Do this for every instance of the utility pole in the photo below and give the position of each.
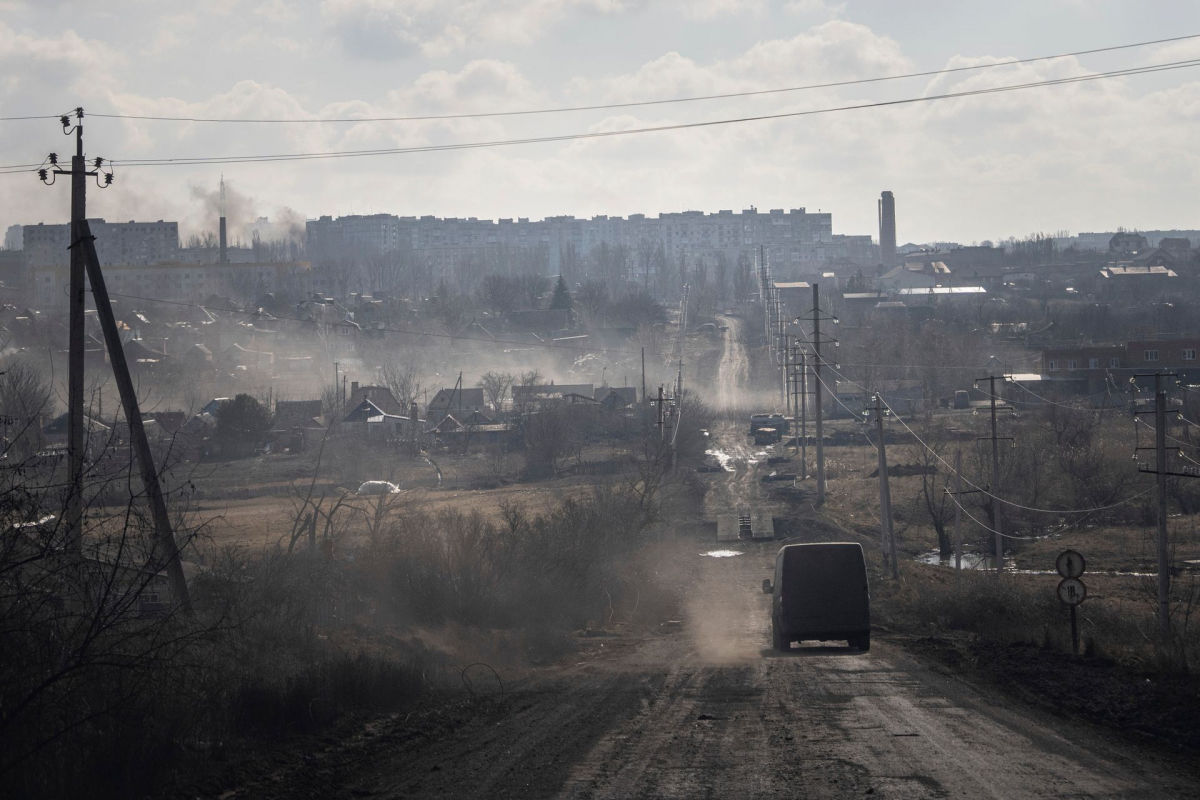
(958, 514)
(994, 489)
(787, 377)
(803, 416)
(887, 536)
(85, 263)
(166, 551)
(1160, 466)
(817, 395)
(660, 402)
(1161, 472)
(75, 340)
(643, 375)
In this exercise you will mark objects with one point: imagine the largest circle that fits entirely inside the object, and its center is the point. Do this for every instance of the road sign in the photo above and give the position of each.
(1070, 564)
(1071, 591)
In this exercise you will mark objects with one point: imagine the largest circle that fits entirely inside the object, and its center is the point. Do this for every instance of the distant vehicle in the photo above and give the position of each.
(777, 421)
(377, 487)
(820, 592)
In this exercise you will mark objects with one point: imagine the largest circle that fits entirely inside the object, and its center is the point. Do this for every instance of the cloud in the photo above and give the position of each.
(814, 8)
(712, 9)
(393, 29)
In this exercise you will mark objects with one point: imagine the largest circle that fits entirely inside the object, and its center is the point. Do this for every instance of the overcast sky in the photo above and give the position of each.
(1079, 157)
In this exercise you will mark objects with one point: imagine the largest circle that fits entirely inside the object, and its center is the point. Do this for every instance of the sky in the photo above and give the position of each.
(1090, 156)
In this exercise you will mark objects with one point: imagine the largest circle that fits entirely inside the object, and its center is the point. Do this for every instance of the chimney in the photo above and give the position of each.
(223, 254)
(887, 230)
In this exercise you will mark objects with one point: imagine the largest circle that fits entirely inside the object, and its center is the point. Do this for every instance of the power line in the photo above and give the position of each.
(641, 103)
(322, 155)
(999, 499)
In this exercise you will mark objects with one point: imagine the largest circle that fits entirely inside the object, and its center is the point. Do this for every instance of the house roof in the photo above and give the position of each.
(940, 290)
(1136, 270)
(552, 390)
(363, 411)
(59, 425)
(295, 413)
(451, 398)
(379, 396)
(169, 421)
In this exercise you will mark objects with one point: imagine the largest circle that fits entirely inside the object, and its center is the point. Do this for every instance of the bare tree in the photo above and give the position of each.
(496, 385)
(403, 378)
(25, 399)
(526, 380)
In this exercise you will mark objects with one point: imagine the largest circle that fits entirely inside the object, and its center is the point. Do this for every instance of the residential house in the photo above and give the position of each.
(457, 400)
(380, 396)
(525, 396)
(916, 274)
(1132, 281)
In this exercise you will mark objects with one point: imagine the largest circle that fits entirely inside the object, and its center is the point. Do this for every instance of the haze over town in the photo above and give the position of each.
(599, 399)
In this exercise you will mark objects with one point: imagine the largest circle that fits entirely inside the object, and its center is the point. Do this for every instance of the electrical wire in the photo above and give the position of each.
(324, 155)
(987, 527)
(997, 498)
(642, 103)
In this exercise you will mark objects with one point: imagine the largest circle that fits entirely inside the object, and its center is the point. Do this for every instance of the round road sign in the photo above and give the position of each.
(1070, 564)
(1071, 591)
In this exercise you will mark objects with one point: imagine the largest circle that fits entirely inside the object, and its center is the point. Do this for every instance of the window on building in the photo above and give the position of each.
(1072, 363)
(1052, 364)
(1093, 363)
(1114, 362)
(1151, 355)
(1189, 354)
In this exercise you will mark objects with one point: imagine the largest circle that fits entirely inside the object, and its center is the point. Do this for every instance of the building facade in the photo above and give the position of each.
(795, 240)
(131, 243)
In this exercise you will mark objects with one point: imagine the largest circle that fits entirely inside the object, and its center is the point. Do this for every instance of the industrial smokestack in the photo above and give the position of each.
(887, 230)
(223, 254)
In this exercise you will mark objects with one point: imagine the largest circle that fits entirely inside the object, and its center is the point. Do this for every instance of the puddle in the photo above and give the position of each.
(721, 553)
(986, 563)
(969, 561)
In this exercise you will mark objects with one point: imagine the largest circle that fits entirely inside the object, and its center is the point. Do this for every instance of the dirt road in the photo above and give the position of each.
(734, 368)
(706, 709)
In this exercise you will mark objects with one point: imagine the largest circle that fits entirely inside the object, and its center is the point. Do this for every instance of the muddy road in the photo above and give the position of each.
(704, 708)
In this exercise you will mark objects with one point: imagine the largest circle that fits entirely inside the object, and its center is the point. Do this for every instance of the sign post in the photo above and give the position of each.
(1071, 591)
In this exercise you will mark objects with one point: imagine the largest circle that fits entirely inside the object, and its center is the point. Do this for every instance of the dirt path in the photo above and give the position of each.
(708, 710)
(734, 368)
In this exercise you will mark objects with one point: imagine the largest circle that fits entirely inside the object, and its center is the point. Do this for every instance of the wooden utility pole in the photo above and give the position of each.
(996, 480)
(787, 377)
(958, 514)
(803, 416)
(887, 536)
(643, 376)
(994, 489)
(1161, 472)
(817, 395)
(166, 552)
(1160, 465)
